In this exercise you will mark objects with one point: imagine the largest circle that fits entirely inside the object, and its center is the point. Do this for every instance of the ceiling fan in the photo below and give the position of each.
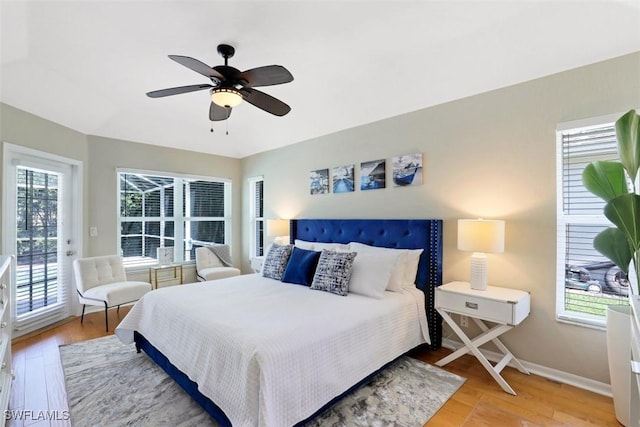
(230, 86)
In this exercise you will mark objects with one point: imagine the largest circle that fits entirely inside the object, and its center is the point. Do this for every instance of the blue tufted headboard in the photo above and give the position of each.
(388, 233)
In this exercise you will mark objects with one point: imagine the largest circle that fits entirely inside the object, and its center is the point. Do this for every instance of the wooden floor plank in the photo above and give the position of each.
(479, 402)
(56, 393)
(35, 399)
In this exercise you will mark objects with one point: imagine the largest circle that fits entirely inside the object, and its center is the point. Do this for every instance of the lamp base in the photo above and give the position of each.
(479, 271)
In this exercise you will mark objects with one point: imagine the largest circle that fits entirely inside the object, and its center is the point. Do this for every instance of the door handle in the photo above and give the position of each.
(70, 253)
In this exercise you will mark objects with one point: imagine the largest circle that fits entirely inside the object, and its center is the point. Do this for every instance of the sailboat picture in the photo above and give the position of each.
(407, 170)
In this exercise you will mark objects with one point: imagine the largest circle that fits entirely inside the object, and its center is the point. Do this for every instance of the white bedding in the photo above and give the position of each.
(270, 353)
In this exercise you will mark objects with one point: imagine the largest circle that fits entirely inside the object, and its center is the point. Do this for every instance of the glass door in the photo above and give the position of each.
(38, 232)
(39, 196)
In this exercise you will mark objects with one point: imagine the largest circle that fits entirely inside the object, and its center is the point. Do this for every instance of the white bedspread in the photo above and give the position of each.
(271, 353)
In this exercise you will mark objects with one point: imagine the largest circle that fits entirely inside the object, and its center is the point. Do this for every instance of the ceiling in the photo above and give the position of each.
(88, 64)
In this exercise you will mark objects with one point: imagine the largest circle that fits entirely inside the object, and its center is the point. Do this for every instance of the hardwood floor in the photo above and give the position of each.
(39, 386)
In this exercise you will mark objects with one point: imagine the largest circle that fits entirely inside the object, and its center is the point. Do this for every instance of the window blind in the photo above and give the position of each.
(256, 201)
(579, 148)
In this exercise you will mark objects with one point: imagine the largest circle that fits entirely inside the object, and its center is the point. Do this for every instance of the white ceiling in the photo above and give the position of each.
(88, 64)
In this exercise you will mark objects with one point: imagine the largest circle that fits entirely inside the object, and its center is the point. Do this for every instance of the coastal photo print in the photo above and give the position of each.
(343, 179)
(319, 181)
(372, 175)
(407, 170)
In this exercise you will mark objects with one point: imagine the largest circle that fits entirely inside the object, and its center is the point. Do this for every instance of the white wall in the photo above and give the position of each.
(491, 155)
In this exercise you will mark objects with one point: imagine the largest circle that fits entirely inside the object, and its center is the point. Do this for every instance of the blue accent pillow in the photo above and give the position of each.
(301, 267)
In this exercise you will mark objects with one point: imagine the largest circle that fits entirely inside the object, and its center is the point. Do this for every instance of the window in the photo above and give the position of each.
(256, 202)
(159, 210)
(586, 281)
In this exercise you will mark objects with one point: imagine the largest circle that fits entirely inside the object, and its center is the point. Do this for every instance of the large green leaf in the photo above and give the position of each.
(605, 179)
(628, 136)
(624, 212)
(613, 244)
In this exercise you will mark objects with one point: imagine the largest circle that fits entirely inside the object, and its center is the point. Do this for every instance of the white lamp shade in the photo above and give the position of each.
(225, 97)
(277, 227)
(481, 235)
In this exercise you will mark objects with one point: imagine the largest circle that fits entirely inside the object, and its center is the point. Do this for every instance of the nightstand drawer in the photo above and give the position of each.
(495, 304)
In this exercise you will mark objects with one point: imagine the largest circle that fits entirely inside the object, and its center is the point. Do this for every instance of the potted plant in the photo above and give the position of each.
(617, 183)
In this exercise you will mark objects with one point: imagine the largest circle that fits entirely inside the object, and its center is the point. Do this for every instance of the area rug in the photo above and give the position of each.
(108, 383)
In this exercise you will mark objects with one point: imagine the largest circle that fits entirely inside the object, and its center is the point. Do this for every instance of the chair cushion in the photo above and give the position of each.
(205, 258)
(115, 293)
(97, 271)
(215, 273)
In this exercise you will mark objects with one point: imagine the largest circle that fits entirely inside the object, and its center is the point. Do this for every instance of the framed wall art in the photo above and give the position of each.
(407, 170)
(319, 181)
(373, 174)
(343, 179)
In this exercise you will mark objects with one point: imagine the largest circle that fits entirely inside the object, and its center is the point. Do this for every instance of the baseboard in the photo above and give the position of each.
(543, 371)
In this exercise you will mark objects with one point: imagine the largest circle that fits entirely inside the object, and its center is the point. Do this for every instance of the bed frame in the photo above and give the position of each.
(389, 233)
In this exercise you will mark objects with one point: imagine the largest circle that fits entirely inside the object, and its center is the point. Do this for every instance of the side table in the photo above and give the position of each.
(154, 270)
(502, 306)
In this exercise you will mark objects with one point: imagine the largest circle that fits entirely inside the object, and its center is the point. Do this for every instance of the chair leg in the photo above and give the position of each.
(82, 317)
(106, 316)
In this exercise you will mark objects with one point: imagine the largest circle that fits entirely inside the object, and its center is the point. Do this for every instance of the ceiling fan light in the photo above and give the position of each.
(226, 97)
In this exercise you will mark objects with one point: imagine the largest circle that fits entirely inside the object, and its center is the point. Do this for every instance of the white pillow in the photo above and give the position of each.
(371, 273)
(319, 246)
(303, 244)
(411, 261)
(396, 281)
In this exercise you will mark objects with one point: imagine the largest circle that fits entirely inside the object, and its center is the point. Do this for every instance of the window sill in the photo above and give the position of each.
(584, 320)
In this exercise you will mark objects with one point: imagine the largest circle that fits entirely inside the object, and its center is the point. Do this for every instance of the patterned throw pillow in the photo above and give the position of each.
(276, 261)
(333, 272)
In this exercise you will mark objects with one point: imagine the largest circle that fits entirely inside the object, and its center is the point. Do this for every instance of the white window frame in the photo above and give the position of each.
(253, 219)
(178, 216)
(563, 220)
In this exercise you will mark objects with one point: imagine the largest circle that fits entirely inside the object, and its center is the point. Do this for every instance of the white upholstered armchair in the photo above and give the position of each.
(210, 266)
(102, 281)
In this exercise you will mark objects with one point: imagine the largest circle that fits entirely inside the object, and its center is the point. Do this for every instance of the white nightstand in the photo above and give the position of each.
(505, 307)
(256, 264)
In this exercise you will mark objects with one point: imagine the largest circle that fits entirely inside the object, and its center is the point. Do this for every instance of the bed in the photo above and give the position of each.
(257, 352)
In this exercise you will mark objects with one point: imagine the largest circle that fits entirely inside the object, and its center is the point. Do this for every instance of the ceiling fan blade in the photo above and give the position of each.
(265, 102)
(266, 76)
(176, 90)
(197, 66)
(218, 113)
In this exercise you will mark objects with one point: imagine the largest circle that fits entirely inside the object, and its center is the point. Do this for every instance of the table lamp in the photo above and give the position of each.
(279, 230)
(480, 236)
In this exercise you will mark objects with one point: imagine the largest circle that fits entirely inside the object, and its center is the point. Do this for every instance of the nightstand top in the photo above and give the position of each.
(492, 292)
